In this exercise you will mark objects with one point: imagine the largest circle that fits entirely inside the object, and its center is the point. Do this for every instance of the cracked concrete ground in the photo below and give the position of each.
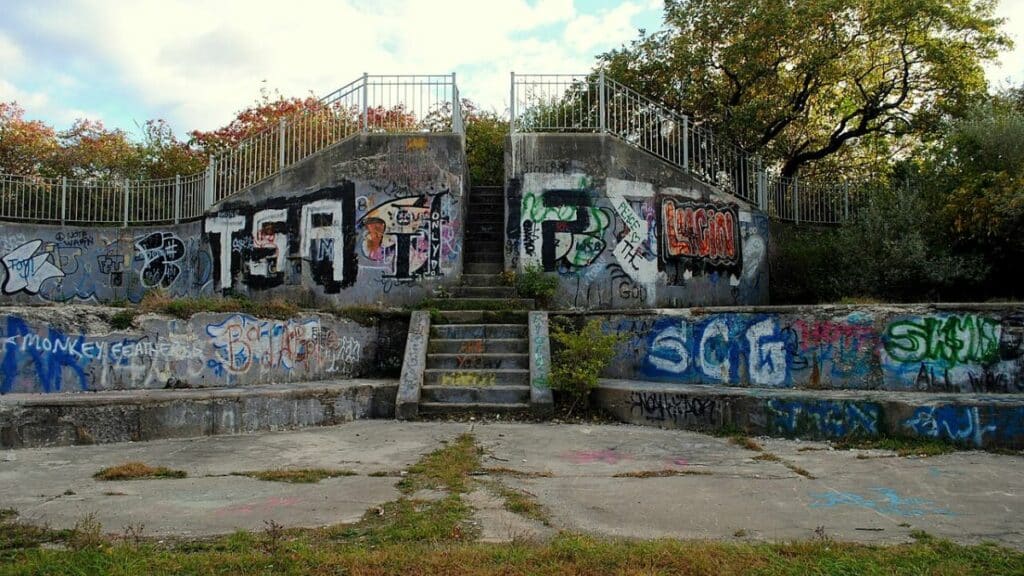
(589, 478)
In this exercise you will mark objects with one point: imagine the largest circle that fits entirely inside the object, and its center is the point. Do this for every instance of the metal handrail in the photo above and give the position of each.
(595, 103)
(370, 103)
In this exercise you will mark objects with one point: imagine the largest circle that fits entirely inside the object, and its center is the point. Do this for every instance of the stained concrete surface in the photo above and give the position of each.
(721, 492)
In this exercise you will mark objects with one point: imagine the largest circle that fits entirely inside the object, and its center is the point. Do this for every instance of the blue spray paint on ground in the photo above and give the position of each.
(885, 500)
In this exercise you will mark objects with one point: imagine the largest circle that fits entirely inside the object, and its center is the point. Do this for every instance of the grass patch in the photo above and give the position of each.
(445, 469)
(901, 446)
(314, 552)
(520, 502)
(746, 442)
(767, 457)
(662, 473)
(123, 319)
(137, 471)
(503, 471)
(160, 303)
(300, 476)
(798, 470)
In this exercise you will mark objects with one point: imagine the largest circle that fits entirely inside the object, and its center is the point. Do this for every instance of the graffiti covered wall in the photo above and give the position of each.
(624, 230)
(909, 348)
(377, 219)
(40, 264)
(73, 349)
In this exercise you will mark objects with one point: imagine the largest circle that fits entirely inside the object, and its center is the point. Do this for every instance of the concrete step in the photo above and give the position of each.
(468, 394)
(478, 346)
(483, 303)
(495, 256)
(482, 267)
(477, 208)
(478, 361)
(482, 280)
(484, 292)
(482, 317)
(476, 378)
(38, 420)
(975, 420)
(471, 331)
(486, 246)
(445, 408)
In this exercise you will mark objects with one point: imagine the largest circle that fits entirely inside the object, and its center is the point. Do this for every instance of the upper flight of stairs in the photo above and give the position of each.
(478, 350)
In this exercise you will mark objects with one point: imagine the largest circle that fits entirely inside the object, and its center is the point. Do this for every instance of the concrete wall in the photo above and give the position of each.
(40, 264)
(623, 229)
(954, 348)
(377, 218)
(74, 349)
(374, 219)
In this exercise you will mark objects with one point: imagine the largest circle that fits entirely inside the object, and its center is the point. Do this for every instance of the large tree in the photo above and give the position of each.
(800, 80)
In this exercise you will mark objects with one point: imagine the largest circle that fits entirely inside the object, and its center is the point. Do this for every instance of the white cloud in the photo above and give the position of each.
(1010, 66)
(197, 62)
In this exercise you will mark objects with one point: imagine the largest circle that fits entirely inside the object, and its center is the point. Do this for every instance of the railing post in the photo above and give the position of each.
(366, 112)
(602, 123)
(457, 126)
(63, 199)
(280, 145)
(512, 104)
(762, 201)
(127, 185)
(686, 143)
(846, 201)
(177, 198)
(211, 180)
(796, 198)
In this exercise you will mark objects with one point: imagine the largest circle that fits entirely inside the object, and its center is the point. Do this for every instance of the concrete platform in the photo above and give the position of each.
(976, 420)
(35, 420)
(589, 477)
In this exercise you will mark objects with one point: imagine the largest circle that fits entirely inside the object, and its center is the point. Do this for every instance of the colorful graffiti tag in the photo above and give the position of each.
(703, 231)
(232, 349)
(102, 265)
(937, 352)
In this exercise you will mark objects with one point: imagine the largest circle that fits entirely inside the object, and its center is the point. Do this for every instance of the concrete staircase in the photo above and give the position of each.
(478, 350)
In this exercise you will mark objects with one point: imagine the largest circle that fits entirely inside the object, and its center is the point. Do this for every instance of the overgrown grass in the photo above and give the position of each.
(414, 553)
(663, 473)
(520, 502)
(298, 476)
(137, 471)
(901, 446)
(445, 469)
(160, 303)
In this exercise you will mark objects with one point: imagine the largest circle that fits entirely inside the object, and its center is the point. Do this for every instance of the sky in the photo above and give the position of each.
(196, 63)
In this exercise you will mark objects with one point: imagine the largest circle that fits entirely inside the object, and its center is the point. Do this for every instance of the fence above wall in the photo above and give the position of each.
(369, 104)
(598, 104)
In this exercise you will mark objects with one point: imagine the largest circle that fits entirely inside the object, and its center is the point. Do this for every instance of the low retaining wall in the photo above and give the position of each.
(34, 420)
(968, 419)
(75, 349)
(924, 348)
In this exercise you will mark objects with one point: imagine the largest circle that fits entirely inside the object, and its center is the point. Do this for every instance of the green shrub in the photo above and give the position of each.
(123, 319)
(533, 282)
(580, 358)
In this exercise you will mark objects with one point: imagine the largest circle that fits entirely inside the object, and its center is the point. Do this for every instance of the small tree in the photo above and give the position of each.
(580, 359)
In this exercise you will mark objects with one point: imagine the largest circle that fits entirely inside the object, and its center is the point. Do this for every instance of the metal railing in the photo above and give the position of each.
(369, 104)
(595, 103)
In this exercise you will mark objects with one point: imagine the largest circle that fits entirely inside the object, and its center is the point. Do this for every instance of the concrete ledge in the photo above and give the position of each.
(35, 420)
(541, 399)
(977, 420)
(407, 402)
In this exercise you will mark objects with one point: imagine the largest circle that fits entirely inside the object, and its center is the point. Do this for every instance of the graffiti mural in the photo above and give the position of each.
(954, 352)
(618, 243)
(822, 418)
(407, 234)
(102, 264)
(562, 229)
(861, 349)
(705, 232)
(207, 350)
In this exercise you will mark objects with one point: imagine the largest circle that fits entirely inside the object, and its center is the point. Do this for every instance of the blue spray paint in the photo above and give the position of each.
(49, 356)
